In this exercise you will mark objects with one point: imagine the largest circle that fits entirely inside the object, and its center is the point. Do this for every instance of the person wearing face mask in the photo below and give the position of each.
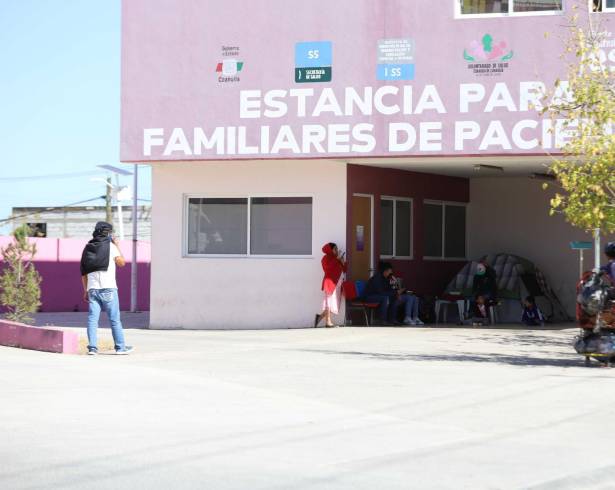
(485, 282)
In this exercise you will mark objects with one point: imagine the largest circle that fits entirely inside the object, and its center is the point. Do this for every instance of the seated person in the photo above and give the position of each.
(485, 282)
(609, 267)
(379, 290)
(407, 298)
(532, 316)
(480, 312)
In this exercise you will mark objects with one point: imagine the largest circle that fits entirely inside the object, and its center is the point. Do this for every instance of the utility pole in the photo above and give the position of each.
(109, 217)
(118, 198)
(134, 265)
(597, 250)
(120, 215)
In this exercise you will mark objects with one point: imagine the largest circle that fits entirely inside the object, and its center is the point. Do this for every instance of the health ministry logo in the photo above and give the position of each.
(313, 61)
(487, 50)
(487, 57)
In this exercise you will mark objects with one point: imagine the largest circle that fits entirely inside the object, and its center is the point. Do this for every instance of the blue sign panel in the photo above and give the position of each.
(581, 245)
(313, 54)
(395, 72)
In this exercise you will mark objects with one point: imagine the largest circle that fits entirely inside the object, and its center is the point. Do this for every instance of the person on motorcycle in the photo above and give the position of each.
(609, 268)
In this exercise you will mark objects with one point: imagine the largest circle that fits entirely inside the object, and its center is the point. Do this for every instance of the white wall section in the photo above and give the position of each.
(241, 292)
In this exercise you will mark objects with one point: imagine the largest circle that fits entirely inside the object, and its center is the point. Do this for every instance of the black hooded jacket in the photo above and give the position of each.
(95, 256)
(486, 284)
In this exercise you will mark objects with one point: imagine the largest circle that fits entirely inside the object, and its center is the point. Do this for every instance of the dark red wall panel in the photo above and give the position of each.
(423, 276)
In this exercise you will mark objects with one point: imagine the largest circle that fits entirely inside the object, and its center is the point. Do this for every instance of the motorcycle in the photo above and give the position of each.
(596, 318)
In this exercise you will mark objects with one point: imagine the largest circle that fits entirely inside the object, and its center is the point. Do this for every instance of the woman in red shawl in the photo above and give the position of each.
(333, 266)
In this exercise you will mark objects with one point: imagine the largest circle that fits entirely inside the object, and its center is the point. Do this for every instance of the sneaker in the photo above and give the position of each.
(409, 321)
(125, 351)
(417, 321)
(92, 352)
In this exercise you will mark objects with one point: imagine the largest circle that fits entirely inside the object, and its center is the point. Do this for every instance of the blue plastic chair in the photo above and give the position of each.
(360, 285)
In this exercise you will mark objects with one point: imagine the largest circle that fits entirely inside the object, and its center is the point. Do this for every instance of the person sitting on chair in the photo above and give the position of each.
(379, 290)
(609, 267)
(408, 300)
(485, 283)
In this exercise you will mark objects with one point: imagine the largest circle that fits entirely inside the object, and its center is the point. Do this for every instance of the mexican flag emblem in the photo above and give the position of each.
(229, 67)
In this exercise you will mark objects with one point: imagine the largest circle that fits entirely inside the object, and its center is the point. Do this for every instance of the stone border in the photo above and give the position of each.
(13, 334)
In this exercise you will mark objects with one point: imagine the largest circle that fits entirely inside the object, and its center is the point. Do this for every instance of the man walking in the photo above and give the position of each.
(98, 261)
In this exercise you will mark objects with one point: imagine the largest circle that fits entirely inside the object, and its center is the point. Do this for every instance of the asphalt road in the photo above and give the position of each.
(352, 408)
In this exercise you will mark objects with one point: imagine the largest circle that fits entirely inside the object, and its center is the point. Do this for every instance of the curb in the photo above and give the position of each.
(14, 334)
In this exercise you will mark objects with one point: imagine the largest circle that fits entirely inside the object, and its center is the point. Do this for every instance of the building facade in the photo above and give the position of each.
(399, 130)
(78, 221)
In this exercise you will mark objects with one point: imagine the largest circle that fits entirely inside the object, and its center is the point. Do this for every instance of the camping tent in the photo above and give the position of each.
(516, 278)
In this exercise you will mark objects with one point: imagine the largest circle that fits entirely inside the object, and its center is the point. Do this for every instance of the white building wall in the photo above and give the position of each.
(511, 215)
(242, 292)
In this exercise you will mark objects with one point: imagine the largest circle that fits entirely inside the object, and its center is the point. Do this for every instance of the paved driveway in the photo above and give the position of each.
(352, 408)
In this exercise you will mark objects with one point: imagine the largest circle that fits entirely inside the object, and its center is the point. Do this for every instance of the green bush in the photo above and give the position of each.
(20, 291)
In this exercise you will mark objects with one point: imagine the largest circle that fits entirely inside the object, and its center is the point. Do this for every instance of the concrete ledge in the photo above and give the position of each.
(13, 334)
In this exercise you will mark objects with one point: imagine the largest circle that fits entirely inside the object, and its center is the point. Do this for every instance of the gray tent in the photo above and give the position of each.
(516, 278)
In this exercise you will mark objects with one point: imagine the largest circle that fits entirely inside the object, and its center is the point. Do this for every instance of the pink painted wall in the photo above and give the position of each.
(57, 260)
(170, 50)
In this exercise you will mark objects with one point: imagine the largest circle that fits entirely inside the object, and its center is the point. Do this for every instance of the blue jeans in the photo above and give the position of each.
(108, 301)
(383, 301)
(410, 304)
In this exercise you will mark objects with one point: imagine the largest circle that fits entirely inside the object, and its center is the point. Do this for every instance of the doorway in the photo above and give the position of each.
(361, 243)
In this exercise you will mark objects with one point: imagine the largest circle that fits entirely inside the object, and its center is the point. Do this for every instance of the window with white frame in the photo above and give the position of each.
(249, 226)
(602, 5)
(445, 230)
(395, 227)
(506, 7)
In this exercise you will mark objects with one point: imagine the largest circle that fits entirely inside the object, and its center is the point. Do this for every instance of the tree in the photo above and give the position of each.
(20, 291)
(586, 173)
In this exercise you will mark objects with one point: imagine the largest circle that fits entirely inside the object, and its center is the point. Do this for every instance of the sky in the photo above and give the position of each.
(59, 102)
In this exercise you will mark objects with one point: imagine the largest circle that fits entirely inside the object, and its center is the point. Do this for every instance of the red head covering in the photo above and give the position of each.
(333, 268)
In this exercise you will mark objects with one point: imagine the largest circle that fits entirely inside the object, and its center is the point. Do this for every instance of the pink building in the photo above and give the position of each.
(401, 130)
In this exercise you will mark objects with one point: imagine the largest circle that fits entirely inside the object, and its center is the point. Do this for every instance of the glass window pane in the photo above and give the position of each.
(484, 6)
(610, 4)
(386, 227)
(403, 214)
(281, 226)
(433, 230)
(536, 5)
(217, 226)
(455, 232)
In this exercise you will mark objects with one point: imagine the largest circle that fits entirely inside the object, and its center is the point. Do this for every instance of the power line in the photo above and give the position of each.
(50, 176)
(25, 215)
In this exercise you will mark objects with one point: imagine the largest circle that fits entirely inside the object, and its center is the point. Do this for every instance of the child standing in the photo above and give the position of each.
(532, 316)
(333, 266)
